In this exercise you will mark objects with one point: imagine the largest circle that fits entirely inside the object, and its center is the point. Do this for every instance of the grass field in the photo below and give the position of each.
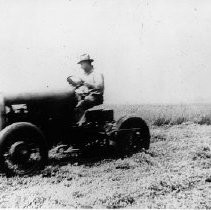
(173, 173)
(166, 114)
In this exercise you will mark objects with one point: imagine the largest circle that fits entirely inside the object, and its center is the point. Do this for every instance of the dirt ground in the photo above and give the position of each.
(174, 173)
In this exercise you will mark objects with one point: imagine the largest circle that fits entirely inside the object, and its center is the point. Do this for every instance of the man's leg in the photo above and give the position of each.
(87, 103)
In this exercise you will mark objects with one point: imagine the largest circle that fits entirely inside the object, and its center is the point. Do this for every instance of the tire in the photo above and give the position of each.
(2, 112)
(127, 141)
(23, 149)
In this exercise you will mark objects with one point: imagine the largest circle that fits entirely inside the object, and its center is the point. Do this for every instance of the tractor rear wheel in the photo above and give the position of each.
(132, 134)
(23, 149)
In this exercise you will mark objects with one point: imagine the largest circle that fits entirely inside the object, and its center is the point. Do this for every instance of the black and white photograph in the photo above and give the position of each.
(105, 104)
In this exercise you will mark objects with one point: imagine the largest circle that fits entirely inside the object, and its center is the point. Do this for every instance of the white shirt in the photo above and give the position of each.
(93, 81)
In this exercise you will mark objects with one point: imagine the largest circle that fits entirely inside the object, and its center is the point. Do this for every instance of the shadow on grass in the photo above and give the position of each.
(88, 158)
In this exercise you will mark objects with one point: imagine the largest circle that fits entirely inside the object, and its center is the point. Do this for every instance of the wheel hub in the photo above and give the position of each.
(19, 152)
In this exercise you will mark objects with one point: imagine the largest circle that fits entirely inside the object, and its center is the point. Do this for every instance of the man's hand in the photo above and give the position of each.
(74, 81)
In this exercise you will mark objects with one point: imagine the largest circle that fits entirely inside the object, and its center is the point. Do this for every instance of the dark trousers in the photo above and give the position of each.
(89, 101)
(86, 102)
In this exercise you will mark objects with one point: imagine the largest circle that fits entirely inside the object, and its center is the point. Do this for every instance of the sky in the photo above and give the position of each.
(150, 51)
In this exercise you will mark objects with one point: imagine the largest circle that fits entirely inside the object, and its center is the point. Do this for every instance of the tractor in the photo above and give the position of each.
(32, 123)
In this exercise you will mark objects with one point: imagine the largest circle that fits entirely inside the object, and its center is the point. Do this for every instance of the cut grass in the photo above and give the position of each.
(174, 173)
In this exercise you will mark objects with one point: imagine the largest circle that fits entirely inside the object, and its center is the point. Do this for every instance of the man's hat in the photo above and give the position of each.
(85, 57)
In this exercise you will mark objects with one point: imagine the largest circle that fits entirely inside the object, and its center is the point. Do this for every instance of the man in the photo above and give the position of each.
(89, 86)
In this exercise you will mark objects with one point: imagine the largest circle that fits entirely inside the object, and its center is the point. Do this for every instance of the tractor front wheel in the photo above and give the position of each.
(23, 149)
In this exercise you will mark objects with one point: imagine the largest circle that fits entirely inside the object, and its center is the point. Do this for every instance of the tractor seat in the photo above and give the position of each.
(99, 115)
